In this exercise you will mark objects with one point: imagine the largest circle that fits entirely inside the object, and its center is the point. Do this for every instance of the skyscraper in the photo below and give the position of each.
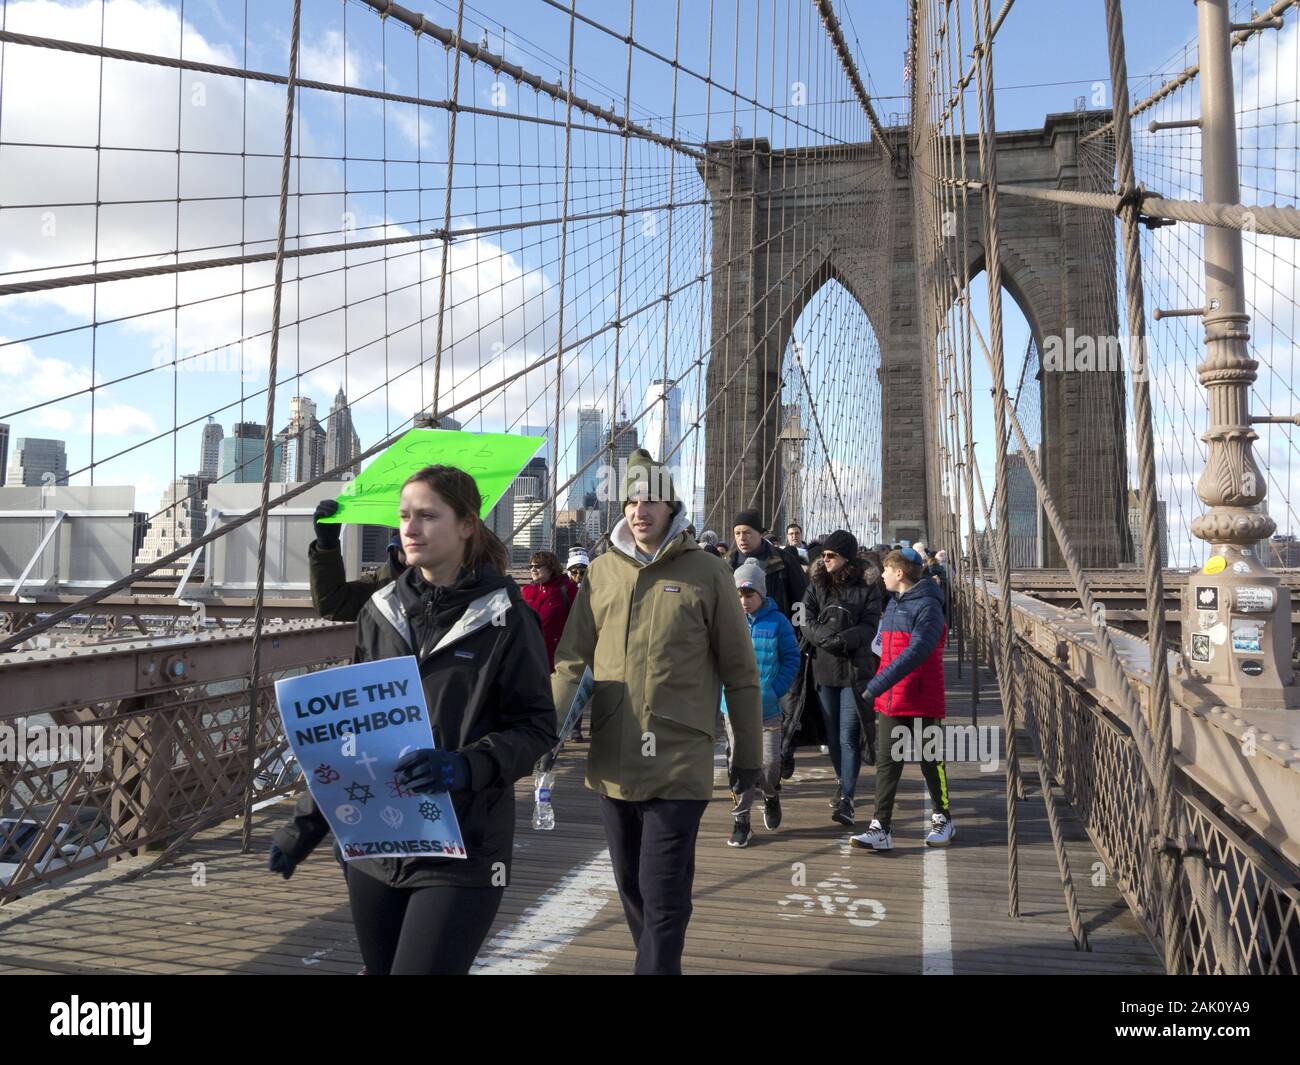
(182, 516)
(1022, 513)
(37, 462)
(534, 479)
(664, 422)
(241, 455)
(303, 441)
(1162, 528)
(4, 450)
(342, 444)
(500, 518)
(591, 427)
(535, 535)
(547, 452)
(210, 456)
(623, 445)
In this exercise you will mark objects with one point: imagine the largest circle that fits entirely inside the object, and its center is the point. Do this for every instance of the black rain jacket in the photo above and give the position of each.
(487, 683)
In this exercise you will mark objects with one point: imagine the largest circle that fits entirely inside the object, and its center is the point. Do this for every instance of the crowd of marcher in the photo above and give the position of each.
(689, 640)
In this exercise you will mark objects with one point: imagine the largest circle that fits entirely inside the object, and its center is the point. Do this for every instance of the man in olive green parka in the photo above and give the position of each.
(647, 610)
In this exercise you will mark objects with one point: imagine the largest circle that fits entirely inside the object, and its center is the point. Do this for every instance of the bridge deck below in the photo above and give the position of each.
(797, 900)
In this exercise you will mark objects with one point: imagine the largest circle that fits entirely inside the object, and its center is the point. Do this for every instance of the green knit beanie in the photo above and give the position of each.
(649, 480)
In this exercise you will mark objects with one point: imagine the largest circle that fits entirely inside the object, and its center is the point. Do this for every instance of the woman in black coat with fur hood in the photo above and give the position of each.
(841, 612)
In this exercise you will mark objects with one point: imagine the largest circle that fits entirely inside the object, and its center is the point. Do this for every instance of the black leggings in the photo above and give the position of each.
(424, 931)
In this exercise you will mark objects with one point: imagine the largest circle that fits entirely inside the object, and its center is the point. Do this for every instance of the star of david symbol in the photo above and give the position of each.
(360, 793)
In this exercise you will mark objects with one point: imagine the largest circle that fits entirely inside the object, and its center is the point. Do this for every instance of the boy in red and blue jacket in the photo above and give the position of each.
(909, 686)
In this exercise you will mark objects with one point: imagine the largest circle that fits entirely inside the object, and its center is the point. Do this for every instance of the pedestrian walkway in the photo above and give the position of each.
(800, 900)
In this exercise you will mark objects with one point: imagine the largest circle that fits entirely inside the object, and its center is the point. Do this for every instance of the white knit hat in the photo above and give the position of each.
(577, 557)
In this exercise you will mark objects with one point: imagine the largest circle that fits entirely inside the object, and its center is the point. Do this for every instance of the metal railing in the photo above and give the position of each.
(1090, 753)
(165, 745)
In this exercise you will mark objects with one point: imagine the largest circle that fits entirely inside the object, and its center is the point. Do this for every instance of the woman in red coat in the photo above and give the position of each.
(550, 594)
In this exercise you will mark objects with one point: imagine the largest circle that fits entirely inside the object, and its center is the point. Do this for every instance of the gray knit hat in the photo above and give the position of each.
(750, 575)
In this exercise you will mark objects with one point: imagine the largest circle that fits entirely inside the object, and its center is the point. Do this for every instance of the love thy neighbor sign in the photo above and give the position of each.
(348, 727)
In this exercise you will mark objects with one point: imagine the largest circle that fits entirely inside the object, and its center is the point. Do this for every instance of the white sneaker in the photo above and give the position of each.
(874, 838)
(941, 831)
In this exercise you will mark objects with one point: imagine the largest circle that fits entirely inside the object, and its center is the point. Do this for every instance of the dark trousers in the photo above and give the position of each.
(652, 848)
(429, 931)
(889, 769)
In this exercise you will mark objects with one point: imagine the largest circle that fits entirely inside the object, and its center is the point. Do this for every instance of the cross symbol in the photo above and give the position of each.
(367, 761)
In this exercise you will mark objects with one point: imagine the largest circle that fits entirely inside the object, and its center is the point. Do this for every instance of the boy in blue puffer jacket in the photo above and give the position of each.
(777, 651)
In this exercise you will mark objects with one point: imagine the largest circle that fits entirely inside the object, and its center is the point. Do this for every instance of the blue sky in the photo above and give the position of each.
(504, 287)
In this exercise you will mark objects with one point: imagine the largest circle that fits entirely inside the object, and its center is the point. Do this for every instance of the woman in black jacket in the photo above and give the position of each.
(486, 681)
(841, 614)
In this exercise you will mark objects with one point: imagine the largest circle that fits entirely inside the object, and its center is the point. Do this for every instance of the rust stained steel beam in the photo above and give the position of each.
(43, 681)
(145, 606)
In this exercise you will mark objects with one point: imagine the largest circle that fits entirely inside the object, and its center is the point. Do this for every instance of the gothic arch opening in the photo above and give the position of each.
(1022, 373)
(831, 415)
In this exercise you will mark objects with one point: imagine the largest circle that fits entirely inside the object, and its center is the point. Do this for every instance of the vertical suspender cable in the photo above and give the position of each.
(254, 673)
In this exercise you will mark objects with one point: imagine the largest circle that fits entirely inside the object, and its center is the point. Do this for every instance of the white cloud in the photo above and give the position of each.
(488, 287)
(24, 373)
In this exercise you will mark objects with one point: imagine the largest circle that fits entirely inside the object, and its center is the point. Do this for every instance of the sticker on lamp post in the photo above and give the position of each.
(1253, 598)
(1247, 637)
(1201, 647)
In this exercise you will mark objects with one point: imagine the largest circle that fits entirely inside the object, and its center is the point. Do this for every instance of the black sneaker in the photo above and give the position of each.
(787, 765)
(843, 813)
(772, 813)
(839, 794)
(741, 834)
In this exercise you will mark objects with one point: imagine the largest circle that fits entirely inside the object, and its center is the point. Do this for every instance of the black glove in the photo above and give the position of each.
(281, 863)
(427, 769)
(746, 779)
(327, 536)
(835, 645)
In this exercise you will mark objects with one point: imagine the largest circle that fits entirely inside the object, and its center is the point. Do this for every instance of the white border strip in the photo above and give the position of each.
(545, 929)
(936, 918)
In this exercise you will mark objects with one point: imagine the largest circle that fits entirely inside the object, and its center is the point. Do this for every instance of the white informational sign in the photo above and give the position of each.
(1254, 598)
(348, 727)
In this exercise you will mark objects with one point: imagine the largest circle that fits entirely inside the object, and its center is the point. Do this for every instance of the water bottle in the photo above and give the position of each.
(543, 812)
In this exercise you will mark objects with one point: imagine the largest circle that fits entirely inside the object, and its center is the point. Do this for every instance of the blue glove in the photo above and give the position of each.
(327, 536)
(281, 863)
(432, 770)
